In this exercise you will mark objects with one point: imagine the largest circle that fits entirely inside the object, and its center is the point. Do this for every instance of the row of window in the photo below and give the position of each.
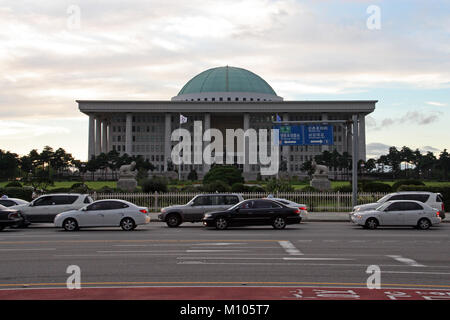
(228, 99)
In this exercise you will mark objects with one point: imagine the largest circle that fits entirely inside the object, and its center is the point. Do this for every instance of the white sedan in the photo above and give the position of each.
(398, 213)
(104, 213)
(292, 204)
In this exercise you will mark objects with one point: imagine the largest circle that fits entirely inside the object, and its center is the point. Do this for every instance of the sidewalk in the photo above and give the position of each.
(314, 217)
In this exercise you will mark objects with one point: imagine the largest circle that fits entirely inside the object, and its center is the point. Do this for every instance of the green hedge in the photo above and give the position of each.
(408, 182)
(24, 193)
(445, 191)
(376, 187)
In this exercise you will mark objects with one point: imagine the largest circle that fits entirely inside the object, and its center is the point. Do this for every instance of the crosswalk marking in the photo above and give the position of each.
(289, 248)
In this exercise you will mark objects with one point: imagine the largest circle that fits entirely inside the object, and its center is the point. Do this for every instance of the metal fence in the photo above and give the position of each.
(315, 201)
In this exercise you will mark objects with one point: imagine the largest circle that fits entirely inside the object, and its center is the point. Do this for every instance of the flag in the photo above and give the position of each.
(183, 119)
(278, 118)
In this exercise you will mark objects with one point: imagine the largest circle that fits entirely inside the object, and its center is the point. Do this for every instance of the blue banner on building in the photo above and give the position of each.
(296, 135)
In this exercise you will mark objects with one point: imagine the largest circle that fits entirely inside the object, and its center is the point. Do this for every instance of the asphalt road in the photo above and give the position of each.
(328, 254)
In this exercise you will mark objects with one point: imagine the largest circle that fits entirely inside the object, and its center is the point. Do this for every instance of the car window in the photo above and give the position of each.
(7, 203)
(397, 197)
(262, 204)
(416, 197)
(247, 204)
(231, 199)
(114, 205)
(216, 200)
(103, 205)
(273, 204)
(88, 199)
(409, 206)
(201, 201)
(439, 198)
(396, 206)
(43, 201)
(62, 200)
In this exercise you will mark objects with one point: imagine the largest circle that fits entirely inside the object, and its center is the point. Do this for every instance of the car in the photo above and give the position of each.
(44, 208)
(254, 212)
(104, 213)
(9, 202)
(9, 217)
(434, 200)
(289, 203)
(194, 210)
(398, 213)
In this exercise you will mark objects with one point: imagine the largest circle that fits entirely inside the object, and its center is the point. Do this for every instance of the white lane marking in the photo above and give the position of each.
(414, 272)
(289, 248)
(409, 262)
(29, 249)
(206, 250)
(259, 258)
(218, 243)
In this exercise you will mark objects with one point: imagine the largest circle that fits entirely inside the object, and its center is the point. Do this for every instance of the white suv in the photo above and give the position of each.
(46, 207)
(434, 200)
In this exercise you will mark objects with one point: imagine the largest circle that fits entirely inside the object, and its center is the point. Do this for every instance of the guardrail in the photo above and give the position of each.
(315, 201)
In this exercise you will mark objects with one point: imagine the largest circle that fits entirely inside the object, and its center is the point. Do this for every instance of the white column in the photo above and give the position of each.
(109, 140)
(98, 136)
(91, 147)
(246, 147)
(104, 136)
(286, 149)
(128, 134)
(349, 139)
(362, 137)
(167, 141)
(206, 126)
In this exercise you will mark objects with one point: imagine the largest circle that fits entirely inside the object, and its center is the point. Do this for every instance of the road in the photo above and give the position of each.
(312, 254)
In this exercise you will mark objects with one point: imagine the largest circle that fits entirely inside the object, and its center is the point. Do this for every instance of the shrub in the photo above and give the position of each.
(190, 188)
(279, 185)
(60, 190)
(309, 189)
(214, 186)
(106, 189)
(346, 188)
(77, 185)
(155, 184)
(24, 193)
(445, 191)
(257, 189)
(192, 175)
(14, 184)
(409, 182)
(376, 187)
(239, 187)
(225, 173)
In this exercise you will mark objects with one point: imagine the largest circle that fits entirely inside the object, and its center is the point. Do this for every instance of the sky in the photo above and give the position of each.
(55, 52)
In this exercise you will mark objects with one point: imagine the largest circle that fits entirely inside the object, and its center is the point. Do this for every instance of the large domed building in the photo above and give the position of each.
(222, 98)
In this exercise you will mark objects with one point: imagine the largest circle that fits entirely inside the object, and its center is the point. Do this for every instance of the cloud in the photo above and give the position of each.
(426, 149)
(16, 128)
(434, 103)
(410, 117)
(376, 149)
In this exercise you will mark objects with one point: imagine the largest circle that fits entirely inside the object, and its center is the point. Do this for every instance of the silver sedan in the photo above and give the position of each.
(398, 213)
(104, 213)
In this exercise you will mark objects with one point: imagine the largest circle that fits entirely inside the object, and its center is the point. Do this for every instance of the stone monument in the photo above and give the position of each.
(127, 177)
(320, 177)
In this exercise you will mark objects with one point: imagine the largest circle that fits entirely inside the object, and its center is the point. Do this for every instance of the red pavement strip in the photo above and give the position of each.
(223, 293)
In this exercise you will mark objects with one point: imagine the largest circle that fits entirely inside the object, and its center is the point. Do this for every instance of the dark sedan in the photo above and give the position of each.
(9, 217)
(252, 213)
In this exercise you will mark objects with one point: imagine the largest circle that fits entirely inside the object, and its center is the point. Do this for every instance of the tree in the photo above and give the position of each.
(226, 173)
(8, 164)
(444, 163)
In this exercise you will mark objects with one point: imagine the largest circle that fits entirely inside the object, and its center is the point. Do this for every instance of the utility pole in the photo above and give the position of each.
(355, 160)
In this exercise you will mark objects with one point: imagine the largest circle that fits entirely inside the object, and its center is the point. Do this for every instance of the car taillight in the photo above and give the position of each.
(143, 211)
(302, 208)
(297, 211)
(437, 213)
(442, 207)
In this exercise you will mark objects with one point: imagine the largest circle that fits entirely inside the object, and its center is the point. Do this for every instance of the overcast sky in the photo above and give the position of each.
(306, 50)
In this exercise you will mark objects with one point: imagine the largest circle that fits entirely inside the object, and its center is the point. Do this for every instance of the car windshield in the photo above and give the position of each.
(381, 207)
(235, 206)
(384, 198)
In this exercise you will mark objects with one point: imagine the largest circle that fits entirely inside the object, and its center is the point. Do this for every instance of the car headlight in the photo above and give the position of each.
(163, 210)
(207, 216)
(358, 216)
(357, 209)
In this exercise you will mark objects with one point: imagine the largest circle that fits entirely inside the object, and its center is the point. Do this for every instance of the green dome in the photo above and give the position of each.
(227, 79)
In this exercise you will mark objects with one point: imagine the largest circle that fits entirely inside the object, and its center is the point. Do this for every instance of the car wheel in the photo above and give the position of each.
(371, 223)
(173, 220)
(70, 224)
(221, 223)
(424, 224)
(279, 223)
(127, 224)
